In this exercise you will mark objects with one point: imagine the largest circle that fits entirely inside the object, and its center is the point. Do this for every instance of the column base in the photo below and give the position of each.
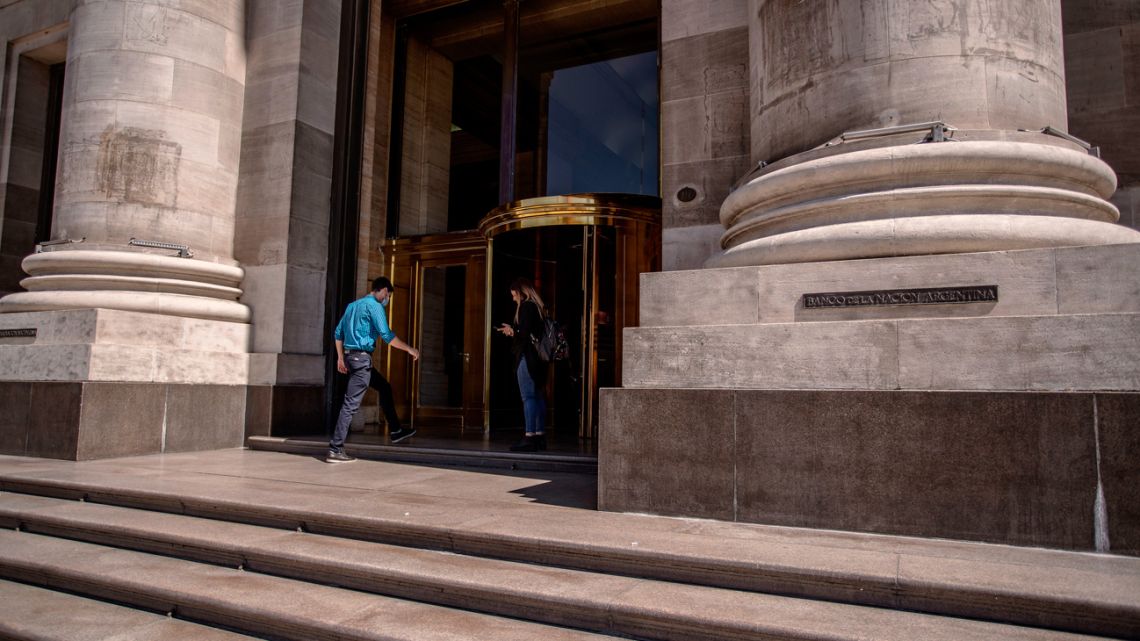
(1002, 467)
(983, 191)
(87, 420)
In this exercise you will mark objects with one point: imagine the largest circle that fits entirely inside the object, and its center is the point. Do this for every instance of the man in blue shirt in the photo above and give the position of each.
(363, 322)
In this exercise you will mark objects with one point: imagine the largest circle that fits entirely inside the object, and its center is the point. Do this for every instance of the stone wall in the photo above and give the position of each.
(426, 148)
(1102, 68)
(33, 35)
(21, 198)
(704, 122)
(286, 178)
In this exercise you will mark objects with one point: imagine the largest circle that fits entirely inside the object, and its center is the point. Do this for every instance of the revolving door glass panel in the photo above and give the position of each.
(584, 259)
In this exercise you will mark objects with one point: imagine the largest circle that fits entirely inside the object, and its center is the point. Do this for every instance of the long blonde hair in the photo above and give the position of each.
(523, 287)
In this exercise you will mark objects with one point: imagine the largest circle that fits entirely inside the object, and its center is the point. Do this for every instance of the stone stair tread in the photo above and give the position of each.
(32, 613)
(255, 603)
(411, 453)
(615, 604)
(1029, 586)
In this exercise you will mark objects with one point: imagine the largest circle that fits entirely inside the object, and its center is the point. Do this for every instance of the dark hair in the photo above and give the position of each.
(380, 282)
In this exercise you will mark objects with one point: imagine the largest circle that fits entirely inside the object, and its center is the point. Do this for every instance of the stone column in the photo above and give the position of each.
(125, 344)
(992, 71)
(149, 152)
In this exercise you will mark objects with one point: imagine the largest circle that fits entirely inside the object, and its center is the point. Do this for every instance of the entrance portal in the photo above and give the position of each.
(583, 253)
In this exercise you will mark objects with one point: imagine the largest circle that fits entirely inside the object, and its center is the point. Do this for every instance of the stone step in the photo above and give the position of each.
(249, 602)
(542, 462)
(29, 613)
(1082, 592)
(623, 606)
(1021, 353)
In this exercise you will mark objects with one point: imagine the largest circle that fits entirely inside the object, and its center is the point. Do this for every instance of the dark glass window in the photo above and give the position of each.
(602, 134)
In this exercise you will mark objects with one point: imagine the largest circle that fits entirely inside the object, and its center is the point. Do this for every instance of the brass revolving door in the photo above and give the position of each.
(584, 254)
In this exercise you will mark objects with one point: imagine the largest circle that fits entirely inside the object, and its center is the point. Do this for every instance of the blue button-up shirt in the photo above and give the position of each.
(363, 321)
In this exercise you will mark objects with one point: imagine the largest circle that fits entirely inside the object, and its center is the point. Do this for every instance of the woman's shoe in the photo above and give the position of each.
(540, 442)
(527, 444)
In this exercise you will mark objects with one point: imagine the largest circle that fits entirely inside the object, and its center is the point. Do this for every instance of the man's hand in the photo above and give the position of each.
(414, 353)
(340, 366)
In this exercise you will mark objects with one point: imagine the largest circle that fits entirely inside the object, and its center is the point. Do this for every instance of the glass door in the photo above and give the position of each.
(444, 277)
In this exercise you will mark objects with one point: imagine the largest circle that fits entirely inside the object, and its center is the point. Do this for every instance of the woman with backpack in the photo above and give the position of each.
(529, 367)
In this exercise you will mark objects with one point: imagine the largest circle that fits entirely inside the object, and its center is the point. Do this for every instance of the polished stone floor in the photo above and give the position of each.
(457, 438)
(297, 474)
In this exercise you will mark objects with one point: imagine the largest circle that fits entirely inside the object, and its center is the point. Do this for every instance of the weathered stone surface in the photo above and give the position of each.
(1119, 448)
(1014, 468)
(1098, 279)
(1084, 352)
(823, 55)
(705, 127)
(1017, 468)
(711, 181)
(31, 612)
(120, 420)
(704, 65)
(689, 247)
(55, 411)
(140, 159)
(16, 399)
(681, 19)
(699, 297)
(788, 356)
(204, 417)
(662, 426)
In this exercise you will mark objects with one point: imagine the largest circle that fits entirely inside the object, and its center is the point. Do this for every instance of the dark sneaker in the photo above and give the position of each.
(401, 434)
(338, 457)
(528, 444)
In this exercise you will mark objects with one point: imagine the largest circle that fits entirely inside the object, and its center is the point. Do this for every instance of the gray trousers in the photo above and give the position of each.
(361, 376)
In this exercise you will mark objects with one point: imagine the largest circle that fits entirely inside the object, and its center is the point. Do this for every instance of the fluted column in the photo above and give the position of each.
(991, 70)
(150, 142)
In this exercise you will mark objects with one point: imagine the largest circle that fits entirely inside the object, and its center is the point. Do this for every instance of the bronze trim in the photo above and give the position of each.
(613, 210)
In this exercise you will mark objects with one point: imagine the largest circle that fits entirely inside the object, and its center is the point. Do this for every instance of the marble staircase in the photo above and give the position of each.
(290, 560)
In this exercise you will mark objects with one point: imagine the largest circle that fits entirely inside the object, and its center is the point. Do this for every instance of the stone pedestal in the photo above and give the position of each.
(96, 383)
(130, 337)
(1009, 420)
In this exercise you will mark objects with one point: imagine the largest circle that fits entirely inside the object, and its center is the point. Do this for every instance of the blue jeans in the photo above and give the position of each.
(534, 405)
(361, 376)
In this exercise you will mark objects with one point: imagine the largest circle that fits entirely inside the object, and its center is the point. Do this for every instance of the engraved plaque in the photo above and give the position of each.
(21, 336)
(883, 297)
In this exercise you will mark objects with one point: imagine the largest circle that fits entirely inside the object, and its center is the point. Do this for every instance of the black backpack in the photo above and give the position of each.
(552, 346)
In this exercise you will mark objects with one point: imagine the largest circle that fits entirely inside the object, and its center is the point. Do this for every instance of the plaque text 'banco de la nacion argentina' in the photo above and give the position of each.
(18, 333)
(928, 296)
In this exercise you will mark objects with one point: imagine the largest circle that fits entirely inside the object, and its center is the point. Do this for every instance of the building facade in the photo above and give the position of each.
(191, 191)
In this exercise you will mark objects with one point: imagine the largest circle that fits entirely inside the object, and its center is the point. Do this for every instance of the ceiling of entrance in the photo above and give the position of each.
(550, 30)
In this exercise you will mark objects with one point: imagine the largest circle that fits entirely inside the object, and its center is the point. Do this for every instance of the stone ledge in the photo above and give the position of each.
(1072, 280)
(1039, 353)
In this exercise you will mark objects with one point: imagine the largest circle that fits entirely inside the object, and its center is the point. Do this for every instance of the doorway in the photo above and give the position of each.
(586, 122)
(583, 252)
(440, 282)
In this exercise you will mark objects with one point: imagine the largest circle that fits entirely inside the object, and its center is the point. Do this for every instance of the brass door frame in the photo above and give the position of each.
(637, 221)
(406, 258)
